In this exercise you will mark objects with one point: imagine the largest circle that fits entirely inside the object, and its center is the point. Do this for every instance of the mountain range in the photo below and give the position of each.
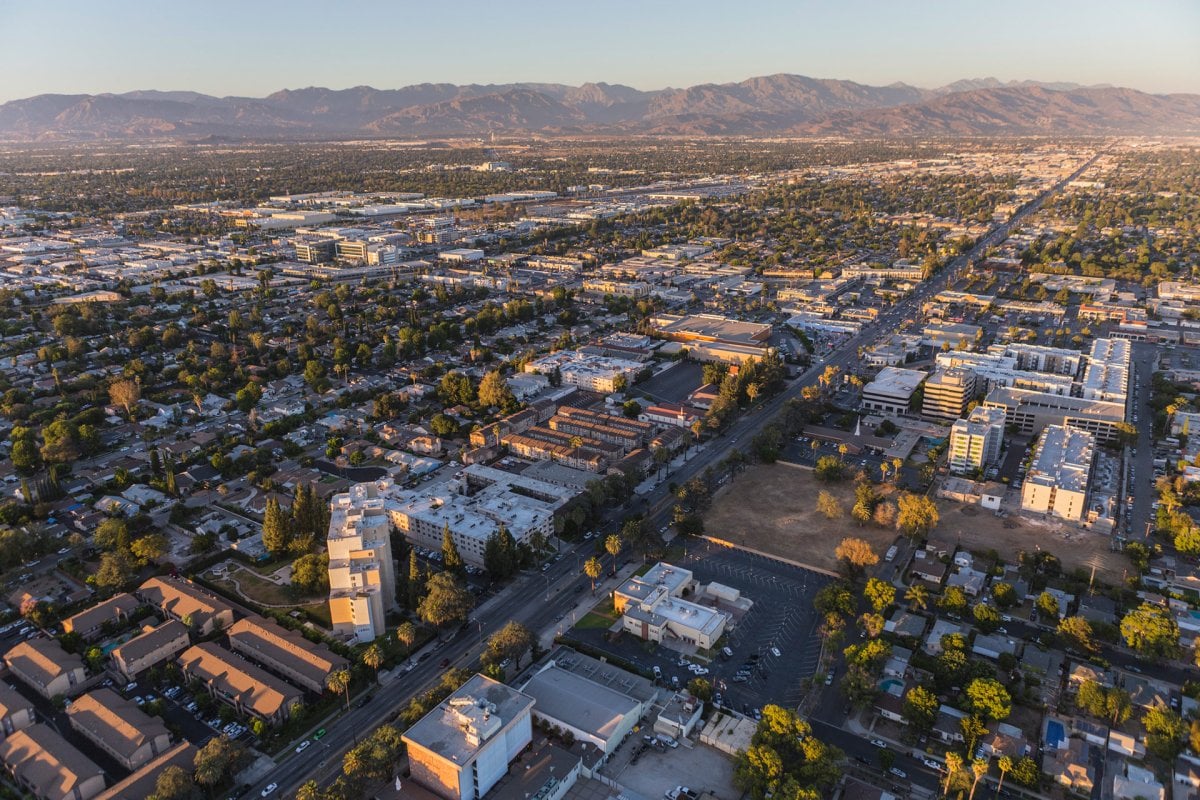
(769, 105)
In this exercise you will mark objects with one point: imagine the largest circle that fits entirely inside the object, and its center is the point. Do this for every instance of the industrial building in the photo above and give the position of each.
(1057, 481)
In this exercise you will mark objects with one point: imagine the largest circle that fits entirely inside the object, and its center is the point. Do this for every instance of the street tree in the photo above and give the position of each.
(612, 545)
(445, 601)
(512, 641)
(592, 568)
(1151, 630)
(338, 682)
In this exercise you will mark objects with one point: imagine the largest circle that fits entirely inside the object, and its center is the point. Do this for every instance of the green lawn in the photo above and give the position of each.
(595, 621)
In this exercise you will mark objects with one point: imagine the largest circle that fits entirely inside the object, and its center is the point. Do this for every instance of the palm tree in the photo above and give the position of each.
(979, 767)
(373, 658)
(842, 450)
(592, 568)
(613, 545)
(1005, 764)
(883, 470)
(815, 445)
(309, 791)
(917, 596)
(896, 464)
(406, 634)
(954, 763)
(338, 682)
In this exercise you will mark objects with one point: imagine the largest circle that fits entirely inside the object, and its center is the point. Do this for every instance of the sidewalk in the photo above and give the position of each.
(582, 605)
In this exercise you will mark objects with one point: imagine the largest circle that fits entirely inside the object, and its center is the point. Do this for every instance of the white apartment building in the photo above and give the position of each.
(1057, 482)
(362, 577)
(975, 441)
(1107, 374)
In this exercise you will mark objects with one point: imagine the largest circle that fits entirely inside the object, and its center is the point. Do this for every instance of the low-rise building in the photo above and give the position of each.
(46, 668)
(153, 646)
(463, 747)
(16, 713)
(49, 768)
(88, 623)
(892, 390)
(652, 608)
(235, 681)
(184, 601)
(118, 727)
(144, 781)
(287, 653)
(1057, 481)
(598, 713)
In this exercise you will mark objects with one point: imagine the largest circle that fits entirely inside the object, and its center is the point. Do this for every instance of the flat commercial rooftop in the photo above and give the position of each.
(444, 730)
(712, 328)
(579, 702)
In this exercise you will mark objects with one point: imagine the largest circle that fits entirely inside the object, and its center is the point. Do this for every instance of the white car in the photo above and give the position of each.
(303, 746)
(269, 790)
(775, 652)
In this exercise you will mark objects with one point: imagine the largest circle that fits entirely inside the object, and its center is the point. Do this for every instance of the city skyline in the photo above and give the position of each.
(259, 50)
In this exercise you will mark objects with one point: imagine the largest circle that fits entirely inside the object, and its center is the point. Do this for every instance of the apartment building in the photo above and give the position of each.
(362, 579)
(1031, 411)
(143, 782)
(892, 390)
(1107, 374)
(182, 600)
(45, 667)
(151, 647)
(233, 680)
(1057, 481)
(118, 727)
(89, 622)
(462, 748)
(286, 653)
(975, 442)
(947, 393)
(16, 713)
(44, 764)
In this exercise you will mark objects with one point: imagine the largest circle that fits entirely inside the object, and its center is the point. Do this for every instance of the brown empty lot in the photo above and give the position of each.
(978, 529)
(773, 508)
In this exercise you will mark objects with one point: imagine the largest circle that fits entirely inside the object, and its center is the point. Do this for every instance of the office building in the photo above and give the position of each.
(947, 393)
(362, 578)
(462, 748)
(1057, 481)
(892, 390)
(975, 442)
(652, 608)
(1030, 411)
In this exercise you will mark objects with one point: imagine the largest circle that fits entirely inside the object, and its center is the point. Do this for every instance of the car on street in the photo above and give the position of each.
(267, 792)
(933, 765)
(879, 743)
(445, 662)
(899, 773)
(300, 748)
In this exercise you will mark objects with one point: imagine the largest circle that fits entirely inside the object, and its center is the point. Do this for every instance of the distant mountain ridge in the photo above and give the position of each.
(770, 104)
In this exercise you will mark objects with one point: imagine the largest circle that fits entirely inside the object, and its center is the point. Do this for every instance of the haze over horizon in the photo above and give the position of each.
(225, 49)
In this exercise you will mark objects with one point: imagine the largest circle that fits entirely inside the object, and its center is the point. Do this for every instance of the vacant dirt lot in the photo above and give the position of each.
(980, 530)
(773, 508)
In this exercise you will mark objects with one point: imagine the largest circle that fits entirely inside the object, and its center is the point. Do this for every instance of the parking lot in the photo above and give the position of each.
(673, 385)
(782, 619)
(658, 771)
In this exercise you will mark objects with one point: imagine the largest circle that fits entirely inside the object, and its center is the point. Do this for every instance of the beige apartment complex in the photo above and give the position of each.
(88, 623)
(48, 767)
(118, 727)
(304, 663)
(153, 646)
(249, 689)
(182, 600)
(45, 667)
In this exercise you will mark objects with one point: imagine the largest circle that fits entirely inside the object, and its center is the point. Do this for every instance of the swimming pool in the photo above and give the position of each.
(1056, 734)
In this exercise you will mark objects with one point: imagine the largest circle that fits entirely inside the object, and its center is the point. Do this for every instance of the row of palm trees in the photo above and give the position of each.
(979, 768)
(593, 566)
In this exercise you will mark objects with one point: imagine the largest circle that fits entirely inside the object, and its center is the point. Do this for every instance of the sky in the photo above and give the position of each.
(255, 47)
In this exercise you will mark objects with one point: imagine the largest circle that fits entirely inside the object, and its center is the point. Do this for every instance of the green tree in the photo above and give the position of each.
(494, 391)
(612, 545)
(1166, 732)
(310, 573)
(916, 515)
(114, 572)
(174, 783)
(406, 634)
(1047, 605)
(215, 760)
(920, 709)
(450, 555)
(445, 601)
(917, 596)
(149, 548)
(953, 600)
(988, 698)
(592, 568)
(1004, 594)
(987, 617)
(829, 506)
(276, 531)
(372, 658)
(1076, 632)
(512, 641)
(338, 682)
(879, 593)
(1151, 631)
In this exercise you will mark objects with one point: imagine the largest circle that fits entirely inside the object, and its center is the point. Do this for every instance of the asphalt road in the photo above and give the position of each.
(1141, 481)
(538, 607)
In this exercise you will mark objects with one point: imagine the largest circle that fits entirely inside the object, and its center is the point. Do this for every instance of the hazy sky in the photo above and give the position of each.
(254, 47)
